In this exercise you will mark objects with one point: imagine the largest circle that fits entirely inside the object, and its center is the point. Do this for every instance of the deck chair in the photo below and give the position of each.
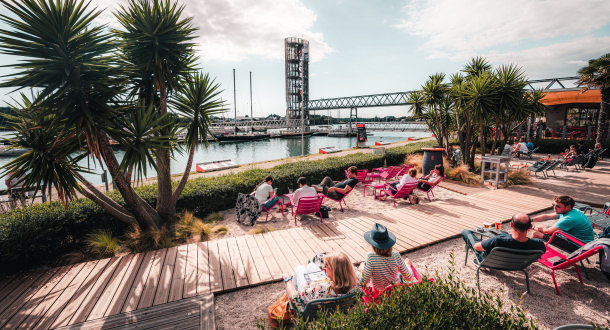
(310, 311)
(539, 167)
(309, 205)
(502, 258)
(529, 153)
(576, 162)
(431, 188)
(390, 173)
(342, 200)
(370, 296)
(599, 219)
(267, 210)
(552, 258)
(403, 192)
(551, 167)
(362, 176)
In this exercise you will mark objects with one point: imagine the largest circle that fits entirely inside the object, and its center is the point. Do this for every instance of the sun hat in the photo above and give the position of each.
(380, 237)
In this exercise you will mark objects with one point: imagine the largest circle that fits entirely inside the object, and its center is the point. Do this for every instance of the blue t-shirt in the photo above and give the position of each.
(530, 146)
(507, 241)
(576, 224)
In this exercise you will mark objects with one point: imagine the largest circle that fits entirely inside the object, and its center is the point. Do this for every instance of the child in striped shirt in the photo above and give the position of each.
(384, 266)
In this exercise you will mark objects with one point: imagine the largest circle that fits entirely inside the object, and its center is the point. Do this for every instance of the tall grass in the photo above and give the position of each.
(102, 243)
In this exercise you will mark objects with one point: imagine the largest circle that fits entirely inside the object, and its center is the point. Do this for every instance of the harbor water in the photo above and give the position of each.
(250, 151)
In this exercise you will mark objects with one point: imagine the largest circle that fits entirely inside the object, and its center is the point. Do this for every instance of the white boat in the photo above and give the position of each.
(215, 166)
(328, 150)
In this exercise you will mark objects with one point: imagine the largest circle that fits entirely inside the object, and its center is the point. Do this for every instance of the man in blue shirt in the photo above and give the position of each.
(571, 221)
(529, 145)
(518, 240)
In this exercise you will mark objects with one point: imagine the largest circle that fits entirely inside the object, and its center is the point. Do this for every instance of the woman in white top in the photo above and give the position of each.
(426, 182)
(409, 177)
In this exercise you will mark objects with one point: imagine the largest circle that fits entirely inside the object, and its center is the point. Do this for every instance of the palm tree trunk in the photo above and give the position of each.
(105, 202)
(481, 127)
(496, 138)
(185, 176)
(165, 206)
(601, 120)
(144, 214)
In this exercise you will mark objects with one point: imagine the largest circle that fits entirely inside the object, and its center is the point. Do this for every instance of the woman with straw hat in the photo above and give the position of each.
(383, 266)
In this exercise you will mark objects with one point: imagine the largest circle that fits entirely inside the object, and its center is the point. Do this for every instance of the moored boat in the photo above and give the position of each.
(328, 150)
(215, 166)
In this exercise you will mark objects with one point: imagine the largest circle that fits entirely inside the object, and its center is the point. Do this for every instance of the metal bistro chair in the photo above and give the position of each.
(308, 205)
(502, 258)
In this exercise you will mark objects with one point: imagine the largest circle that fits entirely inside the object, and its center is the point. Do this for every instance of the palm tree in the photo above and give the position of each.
(196, 102)
(510, 82)
(481, 96)
(156, 44)
(597, 74)
(434, 92)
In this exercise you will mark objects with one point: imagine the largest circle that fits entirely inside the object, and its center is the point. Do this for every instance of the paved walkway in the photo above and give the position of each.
(92, 290)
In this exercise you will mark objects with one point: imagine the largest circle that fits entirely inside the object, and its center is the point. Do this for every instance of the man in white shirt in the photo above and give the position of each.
(303, 191)
(266, 194)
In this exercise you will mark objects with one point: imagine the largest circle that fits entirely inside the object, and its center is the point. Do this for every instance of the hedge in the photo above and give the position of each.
(443, 304)
(40, 234)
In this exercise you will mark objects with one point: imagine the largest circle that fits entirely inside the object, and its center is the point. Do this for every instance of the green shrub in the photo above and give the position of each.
(39, 234)
(444, 304)
(103, 243)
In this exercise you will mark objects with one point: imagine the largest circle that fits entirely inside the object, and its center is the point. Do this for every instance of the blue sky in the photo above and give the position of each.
(367, 47)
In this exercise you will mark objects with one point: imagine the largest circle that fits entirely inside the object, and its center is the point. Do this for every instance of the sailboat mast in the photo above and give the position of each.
(251, 116)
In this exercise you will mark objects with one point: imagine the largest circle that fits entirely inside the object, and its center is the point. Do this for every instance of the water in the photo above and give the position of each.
(252, 151)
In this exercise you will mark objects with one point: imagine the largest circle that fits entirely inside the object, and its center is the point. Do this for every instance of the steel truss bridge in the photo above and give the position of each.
(378, 100)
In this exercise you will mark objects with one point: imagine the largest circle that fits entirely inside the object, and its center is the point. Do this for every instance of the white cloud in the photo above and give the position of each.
(461, 28)
(231, 30)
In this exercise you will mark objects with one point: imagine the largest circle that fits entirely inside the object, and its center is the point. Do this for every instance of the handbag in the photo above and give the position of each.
(280, 312)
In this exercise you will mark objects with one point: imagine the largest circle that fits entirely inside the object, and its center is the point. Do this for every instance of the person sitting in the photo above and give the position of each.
(303, 191)
(572, 221)
(266, 194)
(515, 148)
(426, 183)
(383, 266)
(518, 239)
(335, 277)
(570, 154)
(529, 145)
(521, 149)
(340, 189)
(582, 150)
(408, 177)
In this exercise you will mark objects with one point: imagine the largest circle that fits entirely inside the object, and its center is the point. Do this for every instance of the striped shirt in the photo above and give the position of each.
(383, 271)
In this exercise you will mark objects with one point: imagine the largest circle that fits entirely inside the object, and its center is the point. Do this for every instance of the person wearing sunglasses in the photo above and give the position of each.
(571, 221)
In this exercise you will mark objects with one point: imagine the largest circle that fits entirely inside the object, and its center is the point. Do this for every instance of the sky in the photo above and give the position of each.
(361, 47)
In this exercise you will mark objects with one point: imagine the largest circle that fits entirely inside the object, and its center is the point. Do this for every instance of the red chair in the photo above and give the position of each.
(390, 173)
(433, 185)
(309, 205)
(341, 200)
(403, 192)
(362, 174)
(372, 295)
(551, 253)
(272, 206)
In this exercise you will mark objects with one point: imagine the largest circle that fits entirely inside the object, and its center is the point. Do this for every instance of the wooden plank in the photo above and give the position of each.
(299, 249)
(239, 270)
(45, 310)
(31, 312)
(215, 274)
(165, 279)
(228, 278)
(298, 235)
(323, 246)
(191, 275)
(8, 289)
(178, 279)
(262, 266)
(117, 291)
(292, 236)
(79, 296)
(137, 286)
(421, 232)
(17, 295)
(152, 281)
(269, 256)
(338, 241)
(7, 284)
(248, 261)
(64, 293)
(293, 254)
(207, 314)
(96, 292)
(321, 235)
(21, 301)
(356, 241)
(277, 254)
(366, 224)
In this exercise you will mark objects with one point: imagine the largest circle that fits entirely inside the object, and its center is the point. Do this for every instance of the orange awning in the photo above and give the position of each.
(567, 97)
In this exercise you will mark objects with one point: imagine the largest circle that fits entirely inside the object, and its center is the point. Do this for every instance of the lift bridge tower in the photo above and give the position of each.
(297, 80)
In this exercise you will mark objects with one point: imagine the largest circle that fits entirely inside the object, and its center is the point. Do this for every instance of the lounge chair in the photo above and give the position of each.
(309, 205)
(370, 296)
(597, 218)
(341, 200)
(431, 188)
(551, 167)
(403, 192)
(390, 173)
(576, 162)
(267, 210)
(539, 167)
(529, 153)
(552, 258)
(502, 258)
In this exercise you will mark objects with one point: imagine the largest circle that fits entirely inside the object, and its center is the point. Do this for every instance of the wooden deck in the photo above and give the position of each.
(93, 290)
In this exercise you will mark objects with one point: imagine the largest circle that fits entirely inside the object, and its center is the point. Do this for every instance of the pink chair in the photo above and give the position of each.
(371, 295)
(390, 173)
(433, 185)
(309, 205)
(403, 192)
(362, 174)
(269, 209)
(551, 253)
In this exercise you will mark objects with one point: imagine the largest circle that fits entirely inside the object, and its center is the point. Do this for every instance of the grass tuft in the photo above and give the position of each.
(215, 217)
(103, 243)
(261, 230)
(220, 230)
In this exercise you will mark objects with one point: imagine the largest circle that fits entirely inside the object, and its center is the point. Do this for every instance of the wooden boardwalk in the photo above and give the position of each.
(89, 291)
